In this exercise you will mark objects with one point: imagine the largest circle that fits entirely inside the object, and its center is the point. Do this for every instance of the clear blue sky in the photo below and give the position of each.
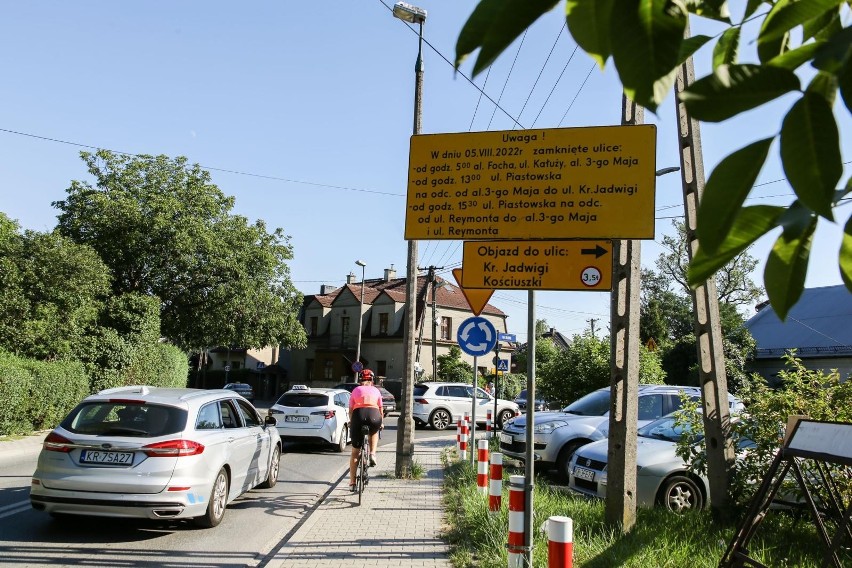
(303, 112)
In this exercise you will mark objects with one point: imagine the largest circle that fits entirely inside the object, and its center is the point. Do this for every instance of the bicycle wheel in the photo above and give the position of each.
(360, 479)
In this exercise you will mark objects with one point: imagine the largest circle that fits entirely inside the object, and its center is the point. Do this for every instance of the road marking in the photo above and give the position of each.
(14, 509)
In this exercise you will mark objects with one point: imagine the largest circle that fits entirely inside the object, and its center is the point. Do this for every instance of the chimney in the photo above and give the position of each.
(390, 273)
(327, 289)
(350, 278)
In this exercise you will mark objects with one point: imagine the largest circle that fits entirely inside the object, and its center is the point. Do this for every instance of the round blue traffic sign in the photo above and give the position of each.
(357, 366)
(477, 336)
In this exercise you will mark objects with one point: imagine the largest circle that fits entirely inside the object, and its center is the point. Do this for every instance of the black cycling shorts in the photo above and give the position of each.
(365, 416)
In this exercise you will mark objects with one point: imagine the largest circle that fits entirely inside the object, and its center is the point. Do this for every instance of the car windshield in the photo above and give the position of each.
(593, 404)
(123, 418)
(302, 400)
(522, 394)
(666, 429)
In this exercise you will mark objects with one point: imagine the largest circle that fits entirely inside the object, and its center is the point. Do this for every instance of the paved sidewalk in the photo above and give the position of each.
(398, 523)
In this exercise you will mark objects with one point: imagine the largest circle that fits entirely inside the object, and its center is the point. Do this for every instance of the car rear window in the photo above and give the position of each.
(420, 390)
(303, 400)
(123, 418)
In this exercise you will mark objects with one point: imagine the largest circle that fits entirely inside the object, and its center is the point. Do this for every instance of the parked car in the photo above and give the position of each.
(388, 399)
(662, 477)
(557, 435)
(156, 453)
(441, 404)
(243, 389)
(521, 401)
(318, 415)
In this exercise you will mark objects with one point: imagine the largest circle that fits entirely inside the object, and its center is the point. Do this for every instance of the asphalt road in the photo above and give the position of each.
(254, 526)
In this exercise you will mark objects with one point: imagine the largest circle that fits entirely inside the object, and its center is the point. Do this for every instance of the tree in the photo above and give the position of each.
(666, 312)
(452, 369)
(51, 293)
(585, 366)
(167, 232)
(646, 42)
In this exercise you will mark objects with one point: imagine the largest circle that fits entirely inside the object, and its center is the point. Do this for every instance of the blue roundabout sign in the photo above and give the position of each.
(477, 336)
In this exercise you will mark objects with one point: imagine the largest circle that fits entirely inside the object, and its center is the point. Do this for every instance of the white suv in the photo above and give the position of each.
(442, 404)
(557, 435)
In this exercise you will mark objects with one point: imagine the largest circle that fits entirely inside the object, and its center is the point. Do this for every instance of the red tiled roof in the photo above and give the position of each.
(449, 295)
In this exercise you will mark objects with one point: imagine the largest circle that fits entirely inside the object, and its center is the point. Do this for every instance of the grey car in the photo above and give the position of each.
(156, 453)
(662, 477)
(557, 435)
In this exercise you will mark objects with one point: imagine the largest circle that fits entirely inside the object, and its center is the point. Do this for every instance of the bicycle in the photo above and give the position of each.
(362, 471)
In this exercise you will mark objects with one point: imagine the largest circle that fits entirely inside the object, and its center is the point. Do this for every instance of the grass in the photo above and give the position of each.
(416, 472)
(659, 539)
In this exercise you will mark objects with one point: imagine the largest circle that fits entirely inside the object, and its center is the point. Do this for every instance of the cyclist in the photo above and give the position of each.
(365, 408)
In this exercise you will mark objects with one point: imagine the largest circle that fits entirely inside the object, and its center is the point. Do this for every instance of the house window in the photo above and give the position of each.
(383, 324)
(344, 334)
(314, 326)
(446, 327)
(309, 369)
(328, 372)
(382, 368)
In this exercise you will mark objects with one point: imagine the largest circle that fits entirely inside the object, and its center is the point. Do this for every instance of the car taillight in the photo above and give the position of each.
(327, 414)
(56, 443)
(173, 448)
(421, 401)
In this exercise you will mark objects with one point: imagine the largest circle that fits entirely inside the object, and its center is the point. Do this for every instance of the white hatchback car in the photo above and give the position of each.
(313, 415)
(156, 453)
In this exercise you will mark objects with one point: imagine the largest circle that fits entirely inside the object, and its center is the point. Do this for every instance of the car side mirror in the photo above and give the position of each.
(270, 420)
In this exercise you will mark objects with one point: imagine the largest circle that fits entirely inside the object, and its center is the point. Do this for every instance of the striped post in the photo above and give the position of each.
(458, 434)
(482, 467)
(463, 443)
(516, 521)
(495, 484)
(488, 425)
(560, 542)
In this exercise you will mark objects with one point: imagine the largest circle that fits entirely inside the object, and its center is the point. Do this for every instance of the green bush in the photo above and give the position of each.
(38, 394)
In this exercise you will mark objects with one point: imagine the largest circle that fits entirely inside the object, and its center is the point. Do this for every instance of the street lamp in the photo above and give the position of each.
(664, 171)
(405, 437)
(363, 265)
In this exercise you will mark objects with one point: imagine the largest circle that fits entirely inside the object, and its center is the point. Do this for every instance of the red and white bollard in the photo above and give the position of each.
(560, 542)
(495, 484)
(482, 467)
(488, 425)
(463, 443)
(516, 521)
(458, 434)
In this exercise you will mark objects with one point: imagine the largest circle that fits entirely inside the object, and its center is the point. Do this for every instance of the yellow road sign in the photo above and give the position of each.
(476, 299)
(537, 265)
(559, 183)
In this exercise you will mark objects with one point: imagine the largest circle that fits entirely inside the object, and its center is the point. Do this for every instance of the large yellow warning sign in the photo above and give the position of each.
(559, 183)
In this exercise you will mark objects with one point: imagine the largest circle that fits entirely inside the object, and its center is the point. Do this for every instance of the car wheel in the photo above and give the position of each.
(679, 494)
(564, 459)
(440, 419)
(274, 466)
(217, 502)
(504, 417)
(344, 437)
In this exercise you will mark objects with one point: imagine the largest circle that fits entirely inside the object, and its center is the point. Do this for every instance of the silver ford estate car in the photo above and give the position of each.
(156, 453)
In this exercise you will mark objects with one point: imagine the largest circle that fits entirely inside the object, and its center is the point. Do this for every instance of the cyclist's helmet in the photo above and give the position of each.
(366, 375)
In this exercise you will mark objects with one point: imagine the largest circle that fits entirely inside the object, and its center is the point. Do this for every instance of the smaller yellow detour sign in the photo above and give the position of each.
(559, 183)
(538, 265)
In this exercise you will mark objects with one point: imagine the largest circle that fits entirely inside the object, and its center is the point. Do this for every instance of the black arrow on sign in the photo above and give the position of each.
(598, 251)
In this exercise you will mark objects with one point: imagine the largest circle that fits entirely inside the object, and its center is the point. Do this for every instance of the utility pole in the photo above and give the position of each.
(592, 324)
(705, 302)
(432, 280)
(620, 509)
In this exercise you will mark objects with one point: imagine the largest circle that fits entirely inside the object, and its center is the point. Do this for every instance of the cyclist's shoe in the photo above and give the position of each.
(372, 460)
(352, 488)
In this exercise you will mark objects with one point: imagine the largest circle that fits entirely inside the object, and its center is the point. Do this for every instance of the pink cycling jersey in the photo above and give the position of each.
(365, 396)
